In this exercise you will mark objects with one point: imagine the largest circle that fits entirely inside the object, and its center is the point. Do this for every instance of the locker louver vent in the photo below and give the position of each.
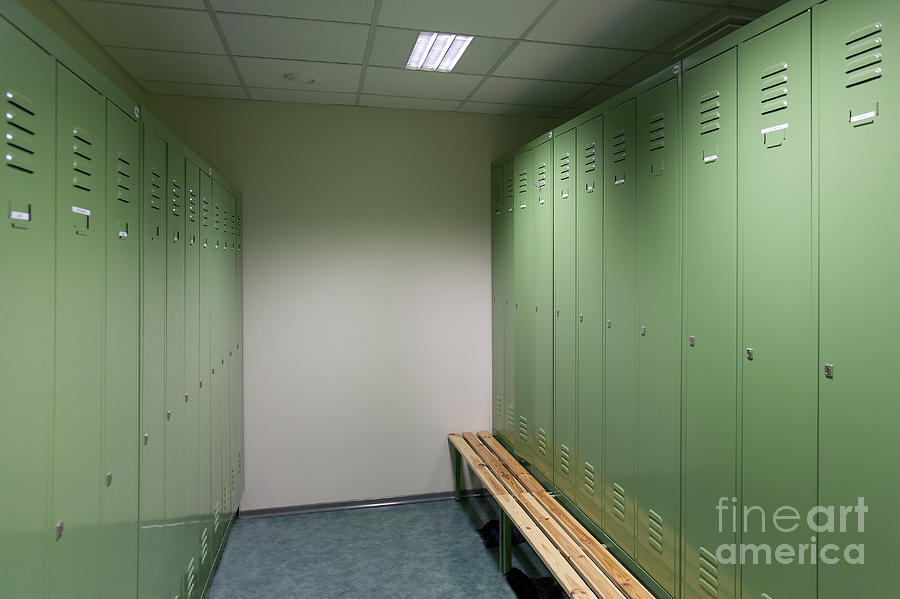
(522, 187)
(21, 131)
(709, 112)
(124, 177)
(589, 478)
(498, 197)
(204, 213)
(542, 175)
(619, 146)
(82, 157)
(862, 62)
(177, 200)
(216, 511)
(709, 573)
(774, 88)
(590, 158)
(542, 441)
(523, 428)
(656, 132)
(510, 193)
(618, 503)
(655, 532)
(204, 547)
(565, 460)
(216, 220)
(564, 167)
(155, 188)
(192, 205)
(190, 580)
(510, 416)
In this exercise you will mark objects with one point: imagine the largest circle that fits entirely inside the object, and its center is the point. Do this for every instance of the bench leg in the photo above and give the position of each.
(456, 466)
(505, 542)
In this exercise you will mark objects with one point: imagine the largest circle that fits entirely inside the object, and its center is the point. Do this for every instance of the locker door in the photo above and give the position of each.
(509, 305)
(620, 425)
(779, 307)
(659, 325)
(121, 416)
(26, 345)
(497, 311)
(175, 387)
(542, 187)
(589, 322)
(564, 448)
(524, 305)
(219, 371)
(209, 496)
(152, 565)
(858, 90)
(233, 374)
(195, 502)
(238, 363)
(710, 321)
(80, 297)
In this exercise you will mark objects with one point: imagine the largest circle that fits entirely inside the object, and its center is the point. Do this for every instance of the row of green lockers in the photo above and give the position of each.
(695, 309)
(122, 428)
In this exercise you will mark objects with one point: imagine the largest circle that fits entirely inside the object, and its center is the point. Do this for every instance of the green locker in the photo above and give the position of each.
(779, 298)
(507, 431)
(590, 324)
(195, 496)
(210, 505)
(233, 373)
(659, 326)
(215, 394)
(620, 423)
(80, 299)
(121, 416)
(524, 305)
(858, 269)
(542, 189)
(238, 364)
(26, 345)
(175, 385)
(564, 440)
(152, 569)
(710, 321)
(497, 297)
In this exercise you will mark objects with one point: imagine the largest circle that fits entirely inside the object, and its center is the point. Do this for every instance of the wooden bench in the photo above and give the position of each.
(584, 568)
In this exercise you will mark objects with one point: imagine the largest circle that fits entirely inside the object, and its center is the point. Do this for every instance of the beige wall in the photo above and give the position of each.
(366, 288)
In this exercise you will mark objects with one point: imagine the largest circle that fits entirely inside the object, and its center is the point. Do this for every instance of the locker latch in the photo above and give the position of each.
(829, 371)
(581, 318)
(691, 341)
(60, 527)
(146, 438)
(608, 324)
(864, 118)
(643, 330)
(109, 479)
(168, 414)
(750, 353)
(186, 397)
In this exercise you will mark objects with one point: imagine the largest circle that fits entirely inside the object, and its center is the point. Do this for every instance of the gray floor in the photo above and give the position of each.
(420, 551)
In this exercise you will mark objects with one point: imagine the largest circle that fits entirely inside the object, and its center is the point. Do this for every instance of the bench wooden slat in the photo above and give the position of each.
(480, 468)
(494, 463)
(625, 580)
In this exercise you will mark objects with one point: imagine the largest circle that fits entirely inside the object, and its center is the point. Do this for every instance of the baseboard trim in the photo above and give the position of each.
(293, 510)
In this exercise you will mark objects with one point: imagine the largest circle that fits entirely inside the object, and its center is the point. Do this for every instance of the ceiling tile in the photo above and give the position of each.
(276, 37)
(498, 18)
(636, 24)
(330, 77)
(508, 109)
(649, 65)
(596, 96)
(169, 88)
(143, 27)
(195, 4)
(538, 60)
(351, 11)
(176, 66)
(302, 97)
(408, 103)
(529, 92)
(419, 84)
(392, 47)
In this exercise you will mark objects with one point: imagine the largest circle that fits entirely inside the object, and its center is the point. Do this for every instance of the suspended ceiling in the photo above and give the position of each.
(551, 58)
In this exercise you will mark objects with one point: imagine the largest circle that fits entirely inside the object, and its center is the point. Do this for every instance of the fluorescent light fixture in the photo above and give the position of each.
(437, 51)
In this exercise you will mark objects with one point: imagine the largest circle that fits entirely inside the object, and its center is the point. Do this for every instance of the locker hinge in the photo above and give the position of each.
(829, 371)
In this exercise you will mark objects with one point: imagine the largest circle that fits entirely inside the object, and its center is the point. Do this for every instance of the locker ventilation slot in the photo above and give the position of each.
(204, 213)
(564, 167)
(523, 428)
(774, 88)
(655, 532)
(204, 546)
(124, 172)
(542, 441)
(510, 416)
(619, 146)
(564, 458)
(863, 58)
(522, 187)
(618, 503)
(656, 130)
(21, 129)
(542, 175)
(82, 156)
(192, 205)
(590, 158)
(155, 195)
(589, 478)
(510, 192)
(216, 511)
(709, 112)
(709, 573)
